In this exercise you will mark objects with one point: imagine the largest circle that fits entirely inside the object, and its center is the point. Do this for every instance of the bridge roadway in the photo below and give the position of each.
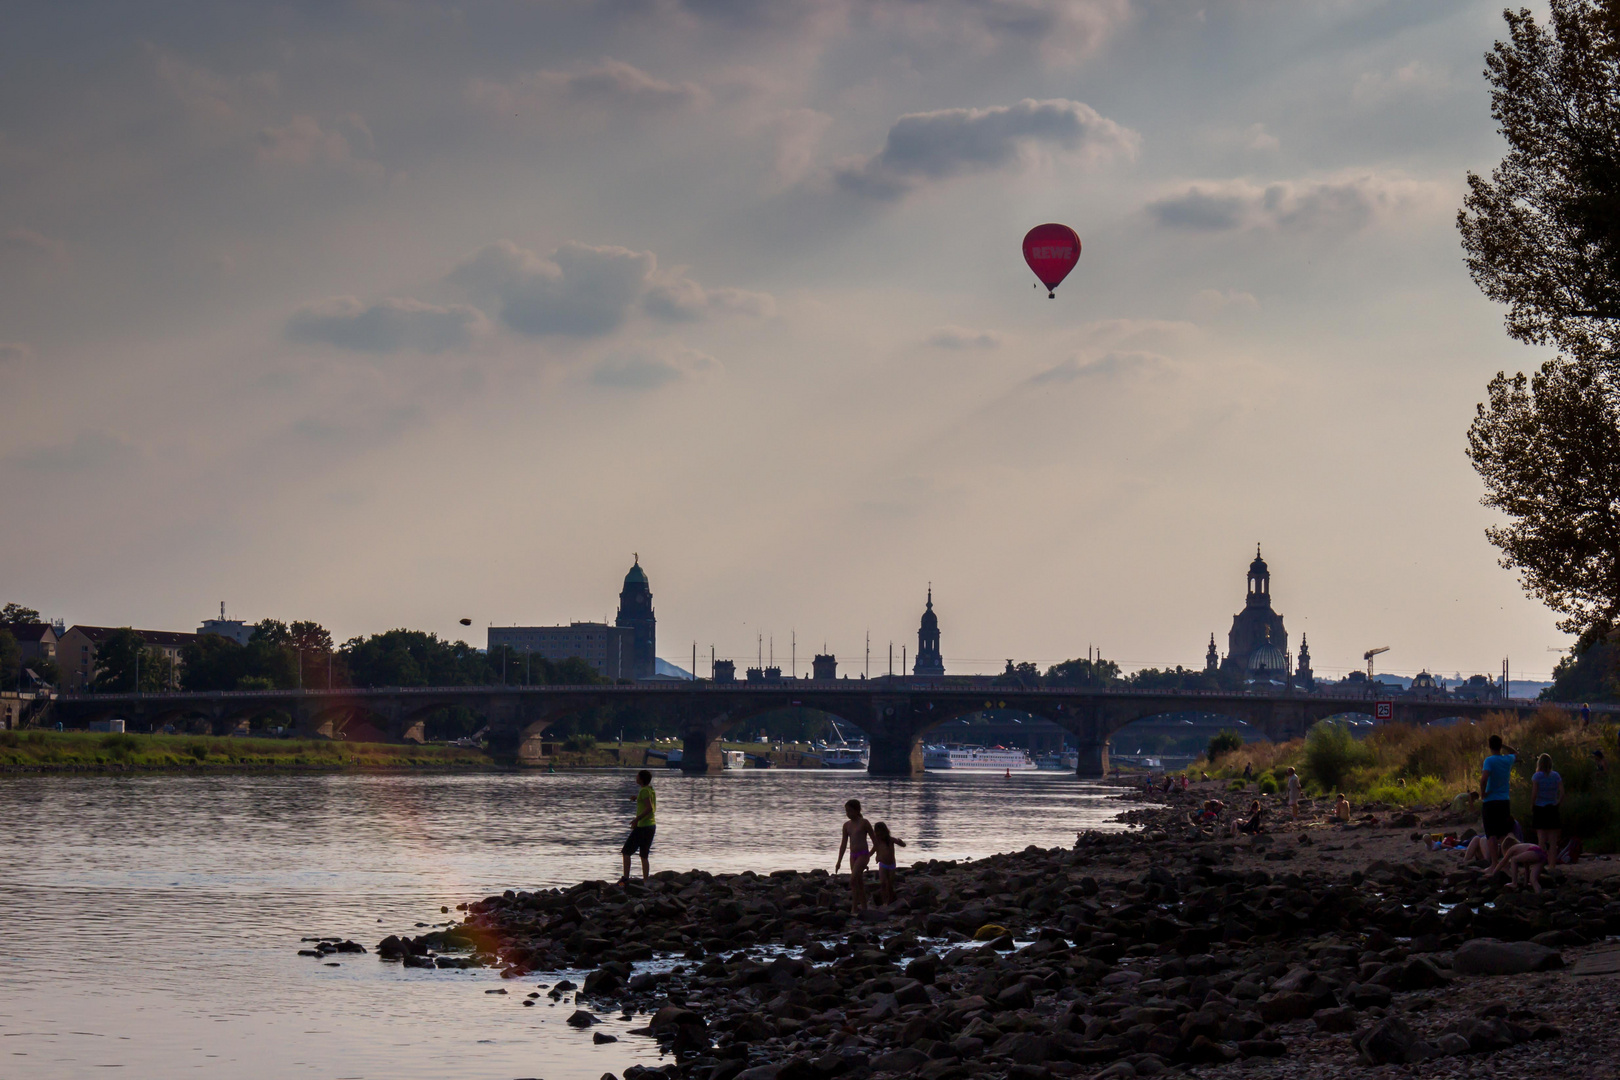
(894, 713)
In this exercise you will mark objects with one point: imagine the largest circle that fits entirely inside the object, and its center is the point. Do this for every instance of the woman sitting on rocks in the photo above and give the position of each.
(1517, 853)
(1254, 826)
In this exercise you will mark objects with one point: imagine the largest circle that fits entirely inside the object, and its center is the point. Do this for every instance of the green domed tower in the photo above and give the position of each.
(636, 613)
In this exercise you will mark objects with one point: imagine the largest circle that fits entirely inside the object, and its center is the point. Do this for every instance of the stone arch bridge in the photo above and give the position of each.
(894, 714)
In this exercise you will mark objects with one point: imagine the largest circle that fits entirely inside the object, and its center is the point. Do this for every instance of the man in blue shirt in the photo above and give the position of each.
(1493, 794)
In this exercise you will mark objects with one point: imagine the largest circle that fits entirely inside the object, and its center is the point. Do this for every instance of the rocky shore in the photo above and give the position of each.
(1314, 950)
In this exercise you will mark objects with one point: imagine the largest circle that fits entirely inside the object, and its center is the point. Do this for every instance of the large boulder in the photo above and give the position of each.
(1485, 956)
(1391, 1041)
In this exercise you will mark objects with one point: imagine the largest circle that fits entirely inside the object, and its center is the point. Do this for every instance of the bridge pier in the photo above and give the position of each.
(1093, 764)
(700, 752)
(892, 756)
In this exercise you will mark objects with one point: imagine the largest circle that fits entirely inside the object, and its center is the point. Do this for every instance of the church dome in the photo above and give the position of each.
(636, 576)
(1267, 658)
(1258, 568)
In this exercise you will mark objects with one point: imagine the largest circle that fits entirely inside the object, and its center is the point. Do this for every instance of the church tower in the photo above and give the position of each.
(1212, 659)
(1304, 678)
(636, 613)
(929, 662)
(1257, 645)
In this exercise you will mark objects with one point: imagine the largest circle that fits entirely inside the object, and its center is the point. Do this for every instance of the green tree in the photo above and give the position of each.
(15, 613)
(1543, 233)
(121, 656)
(1083, 673)
(10, 660)
(1331, 752)
(45, 669)
(1542, 236)
(1223, 743)
(212, 662)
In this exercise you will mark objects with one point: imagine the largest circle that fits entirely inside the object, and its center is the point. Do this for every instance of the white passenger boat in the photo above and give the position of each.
(1066, 760)
(735, 759)
(845, 757)
(978, 758)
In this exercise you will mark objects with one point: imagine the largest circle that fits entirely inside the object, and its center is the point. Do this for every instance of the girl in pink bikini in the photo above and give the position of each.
(1517, 853)
(856, 832)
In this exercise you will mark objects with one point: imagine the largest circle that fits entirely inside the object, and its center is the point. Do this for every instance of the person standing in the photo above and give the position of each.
(856, 837)
(642, 828)
(1293, 792)
(1547, 795)
(1496, 812)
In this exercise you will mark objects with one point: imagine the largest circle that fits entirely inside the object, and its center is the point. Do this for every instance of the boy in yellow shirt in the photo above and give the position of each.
(642, 828)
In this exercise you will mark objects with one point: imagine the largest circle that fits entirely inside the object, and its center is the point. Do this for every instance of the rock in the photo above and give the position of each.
(1369, 995)
(1450, 1044)
(1484, 956)
(497, 990)
(1262, 1048)
(601, 1037)
(581, 1019)
(1016, 996)
(1338, 1019)
(672, 1017)
(899, 1061)
(1024, 1047)
(1418, 974)
(1281, 1008)
(1117, 1069)
(989, 932)
(1297, 979)
(1391, 1041)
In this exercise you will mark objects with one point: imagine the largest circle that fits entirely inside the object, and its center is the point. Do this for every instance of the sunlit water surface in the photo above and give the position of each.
(154, 921)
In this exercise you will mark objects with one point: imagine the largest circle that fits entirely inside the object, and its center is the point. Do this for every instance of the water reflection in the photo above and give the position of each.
(155, 919)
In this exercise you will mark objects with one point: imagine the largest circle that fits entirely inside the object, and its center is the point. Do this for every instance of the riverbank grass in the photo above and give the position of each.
(58, 749)
(1424, 767)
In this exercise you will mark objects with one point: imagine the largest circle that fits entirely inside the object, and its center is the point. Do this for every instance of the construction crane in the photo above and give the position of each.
(1369, 654)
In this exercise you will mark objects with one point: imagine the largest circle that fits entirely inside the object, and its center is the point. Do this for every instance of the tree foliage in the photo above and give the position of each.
(1543, 233)
(123, 659)
(10, 660)
(1083, 673)
(15, 613)
(1542, 236)
(1548, 449)
(1222, 743)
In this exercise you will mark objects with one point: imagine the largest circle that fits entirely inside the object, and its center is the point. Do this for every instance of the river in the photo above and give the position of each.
(154, 921)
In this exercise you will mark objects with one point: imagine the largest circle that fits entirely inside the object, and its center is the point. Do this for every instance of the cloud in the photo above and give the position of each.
(680, 299)
(1212, 301)
(957, 337)
(932, 146)
(15, 352)
(649, 371)
(304, 142)
(611, 85)
(1409, 80)
(387, 326)
(26, 245)
(581, 291)
(88, 450)
(1344, 205)
(1108, 366)
(587, 291)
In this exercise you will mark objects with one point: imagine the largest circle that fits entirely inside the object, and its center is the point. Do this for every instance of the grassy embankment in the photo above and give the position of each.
(49, 750)
(1424, 767)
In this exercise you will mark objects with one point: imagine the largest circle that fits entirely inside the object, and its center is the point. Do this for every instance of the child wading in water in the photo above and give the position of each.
(883, 846)
(856, 831)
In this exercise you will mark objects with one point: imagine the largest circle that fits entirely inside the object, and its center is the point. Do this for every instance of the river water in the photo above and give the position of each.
(153, 922)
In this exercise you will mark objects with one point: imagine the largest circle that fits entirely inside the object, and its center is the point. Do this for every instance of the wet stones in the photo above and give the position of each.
(1483, 956)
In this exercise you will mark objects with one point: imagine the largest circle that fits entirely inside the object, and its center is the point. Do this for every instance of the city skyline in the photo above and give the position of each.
(740, 287)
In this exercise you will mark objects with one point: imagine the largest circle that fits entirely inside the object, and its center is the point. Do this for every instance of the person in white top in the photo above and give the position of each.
(1293, 793)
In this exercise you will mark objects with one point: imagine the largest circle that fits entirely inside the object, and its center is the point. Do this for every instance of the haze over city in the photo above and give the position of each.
(396, 314)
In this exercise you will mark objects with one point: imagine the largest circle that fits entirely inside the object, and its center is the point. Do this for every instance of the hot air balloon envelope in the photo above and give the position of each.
(1051, 251)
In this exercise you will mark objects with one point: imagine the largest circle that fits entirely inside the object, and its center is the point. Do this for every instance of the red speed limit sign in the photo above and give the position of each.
(1384, 710)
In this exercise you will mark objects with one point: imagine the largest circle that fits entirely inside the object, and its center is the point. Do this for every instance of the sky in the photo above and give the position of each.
(393, 313)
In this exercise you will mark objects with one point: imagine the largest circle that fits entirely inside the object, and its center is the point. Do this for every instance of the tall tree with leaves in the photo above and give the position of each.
(1542, 236)
(14, 612)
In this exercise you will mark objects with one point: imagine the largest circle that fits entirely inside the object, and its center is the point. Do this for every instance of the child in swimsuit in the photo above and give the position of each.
(856, 831)
(1517, 853)
(883, 845)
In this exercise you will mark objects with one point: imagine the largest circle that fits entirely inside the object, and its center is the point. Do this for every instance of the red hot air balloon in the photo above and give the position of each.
(1051, 251)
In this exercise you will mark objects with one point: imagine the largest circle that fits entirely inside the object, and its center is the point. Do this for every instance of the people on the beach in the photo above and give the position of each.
(1495, 810)
(642, 827)
(1546, 796)
(1517, 853)
(1598, 760)
(1293, 792)
(1255, 824)
(1463, 805)
(883, 845)
(1248, 771)
(856, 834)
(1208, 813)
(1341, 809)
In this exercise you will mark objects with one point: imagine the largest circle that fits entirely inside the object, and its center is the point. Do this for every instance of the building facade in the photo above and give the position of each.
(608, 649)
(76, 651)
(636, 615)
(235, 629)
(929, 661)
(35, 640)
(824, 668)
